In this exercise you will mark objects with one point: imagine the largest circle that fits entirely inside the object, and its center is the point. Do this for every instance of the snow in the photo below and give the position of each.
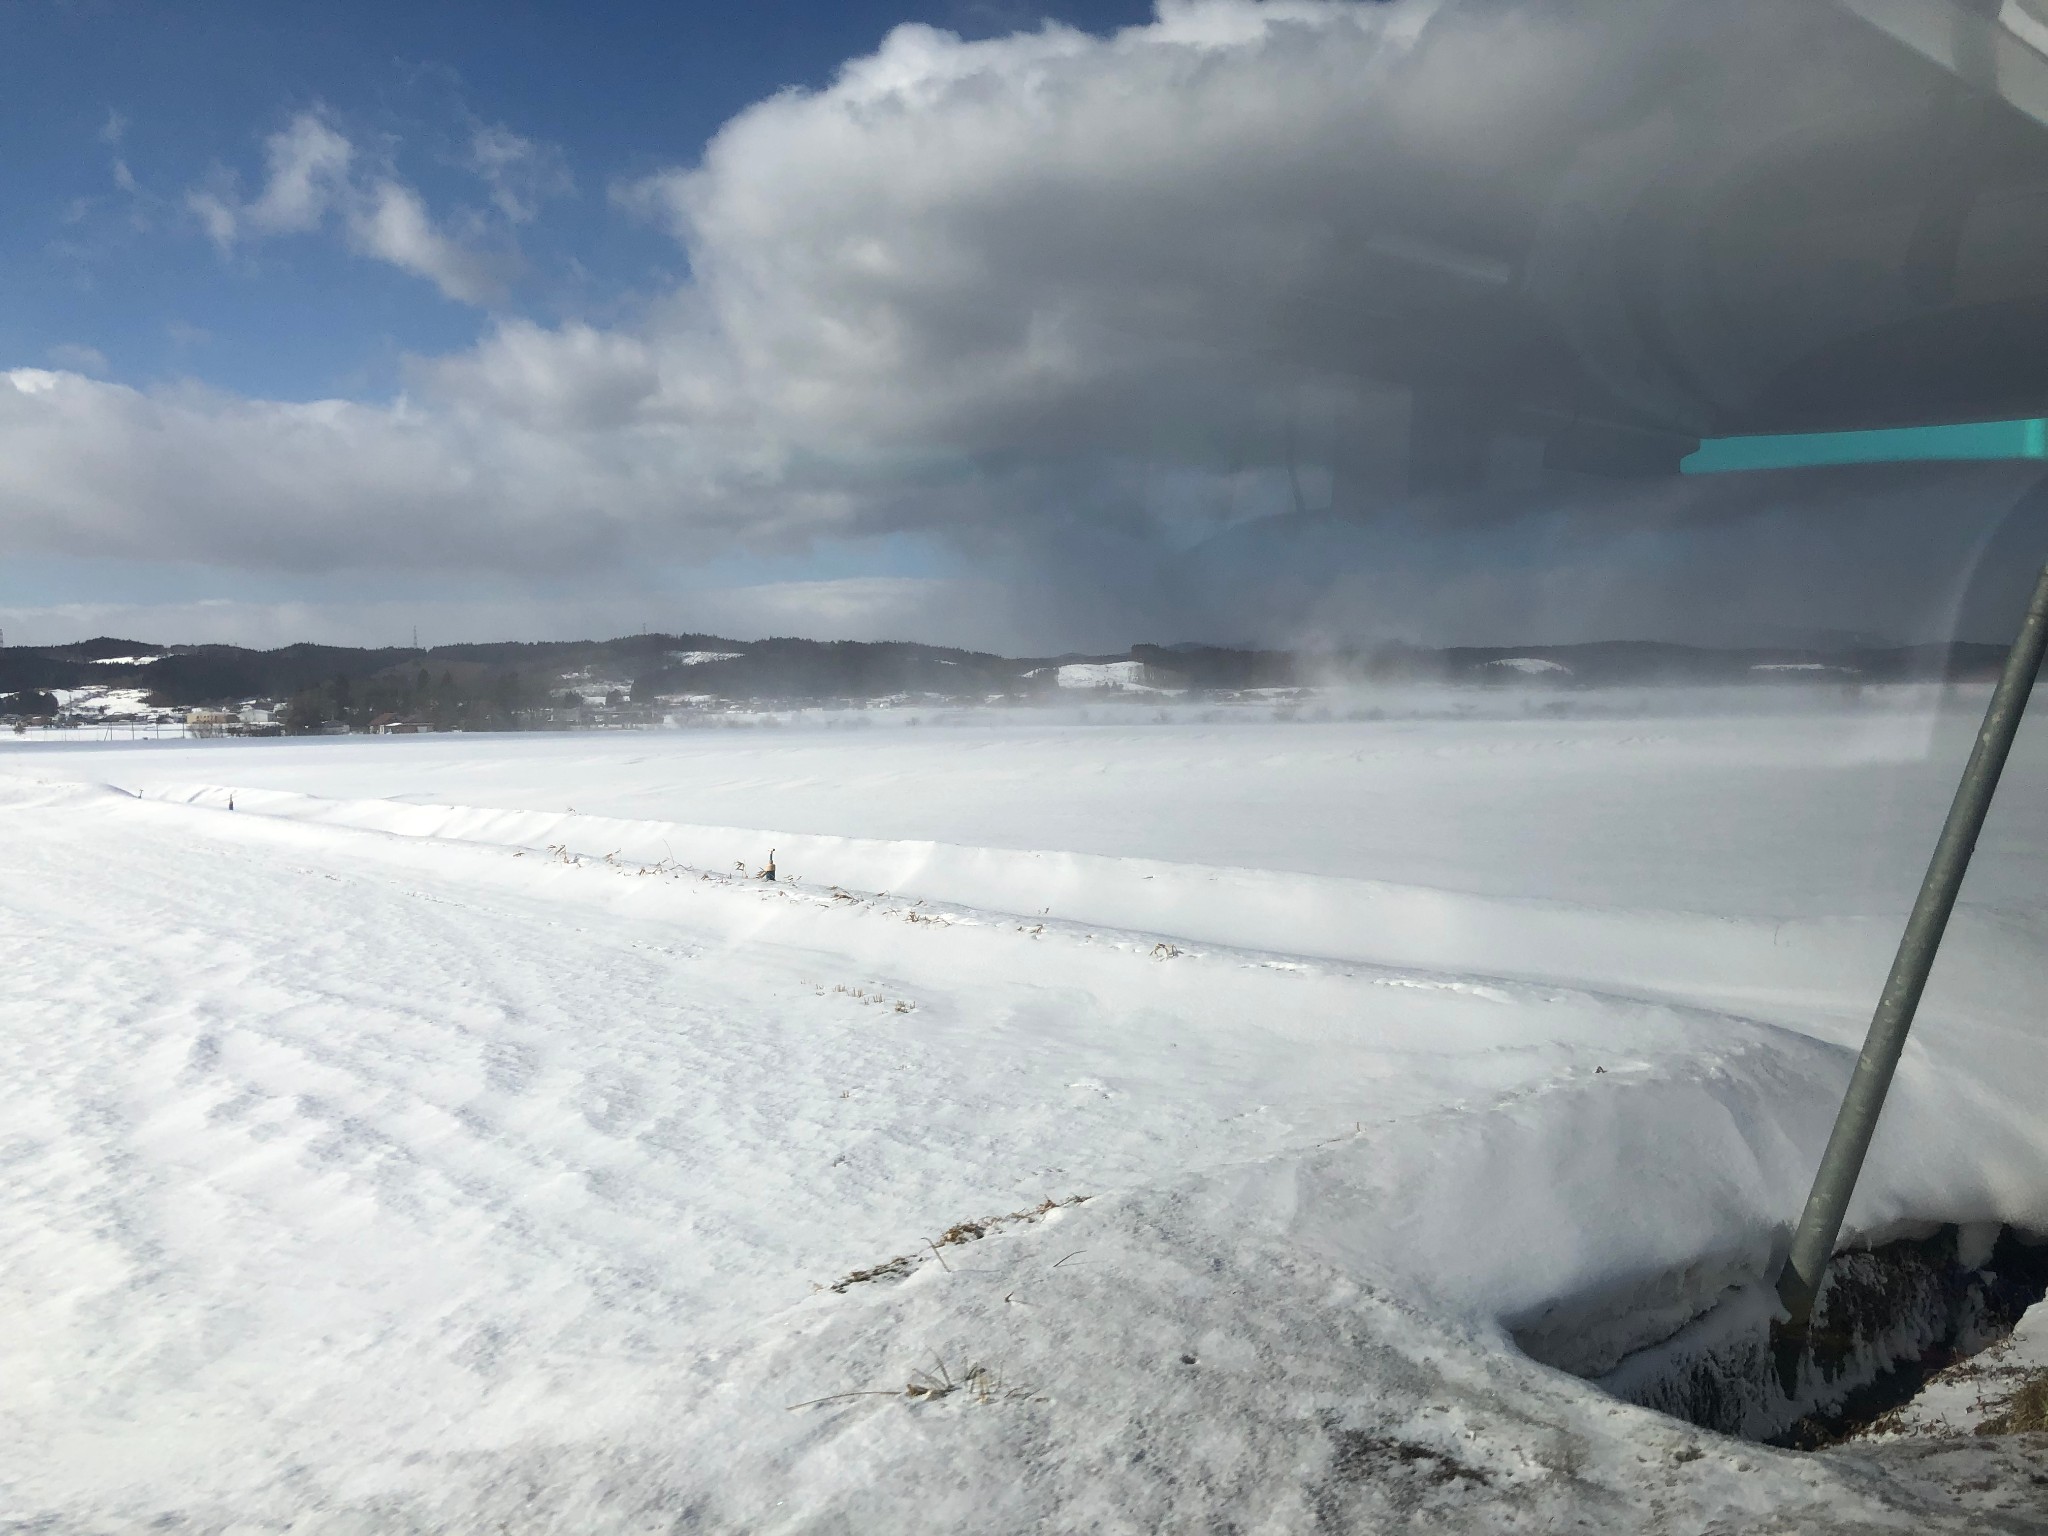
(593, 689)
(698, 658)
(106, 703)
(1135, 676)
(124, 661)
(1531, 665)
(449, 1138)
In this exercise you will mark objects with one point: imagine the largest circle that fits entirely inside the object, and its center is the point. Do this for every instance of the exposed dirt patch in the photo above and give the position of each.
(1362, 1456)
(973, 1231)
(893, 1269)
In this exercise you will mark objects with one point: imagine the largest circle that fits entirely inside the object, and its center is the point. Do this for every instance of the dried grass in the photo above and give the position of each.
(900, 1267)
(2026, 1412)
(980, 1384)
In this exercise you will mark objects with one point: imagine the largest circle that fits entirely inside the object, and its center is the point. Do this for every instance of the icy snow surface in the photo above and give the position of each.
(452, 1138)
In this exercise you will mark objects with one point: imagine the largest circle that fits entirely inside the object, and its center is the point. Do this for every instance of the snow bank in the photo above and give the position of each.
(1742, 1121)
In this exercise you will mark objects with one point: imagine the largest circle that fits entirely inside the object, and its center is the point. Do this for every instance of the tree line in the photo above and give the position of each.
(470, 698)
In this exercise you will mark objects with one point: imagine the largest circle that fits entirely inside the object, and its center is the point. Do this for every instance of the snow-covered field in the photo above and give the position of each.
(451, 1137)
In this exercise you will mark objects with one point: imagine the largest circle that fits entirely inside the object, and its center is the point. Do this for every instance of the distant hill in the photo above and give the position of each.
(99, 660)
(649, 667)
(1615, 662)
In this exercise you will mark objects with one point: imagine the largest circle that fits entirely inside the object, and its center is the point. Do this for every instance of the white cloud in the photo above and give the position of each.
(307, 169)
(1048, 241)
(311, 172)
(1039, 294)
(95, 468)
(308, 165)
(968, 285)
(390, 222)
(216, 215)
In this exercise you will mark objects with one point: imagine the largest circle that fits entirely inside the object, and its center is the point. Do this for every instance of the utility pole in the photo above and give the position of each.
(1813, 1243)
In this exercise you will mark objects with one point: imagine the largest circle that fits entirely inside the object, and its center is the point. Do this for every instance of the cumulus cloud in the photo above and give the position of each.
(1072, 303)
(99, 468)
(311, 171)
(956, 257)
(1047, 240)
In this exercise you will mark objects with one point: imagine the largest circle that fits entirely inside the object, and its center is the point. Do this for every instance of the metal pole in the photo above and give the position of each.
(1821, 1222)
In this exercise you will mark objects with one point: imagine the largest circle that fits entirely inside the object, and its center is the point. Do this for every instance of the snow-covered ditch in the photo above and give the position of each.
(384, 1163)
(1889, 1317)
(2001, 1390)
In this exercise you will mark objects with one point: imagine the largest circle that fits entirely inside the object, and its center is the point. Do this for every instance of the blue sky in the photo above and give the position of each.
(118, 112)
(116, 109)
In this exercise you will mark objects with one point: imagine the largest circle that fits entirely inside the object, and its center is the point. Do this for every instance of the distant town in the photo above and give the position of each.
(644, 681)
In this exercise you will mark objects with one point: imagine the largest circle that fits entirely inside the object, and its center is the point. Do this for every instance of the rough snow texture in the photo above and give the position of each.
(405, 1150)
